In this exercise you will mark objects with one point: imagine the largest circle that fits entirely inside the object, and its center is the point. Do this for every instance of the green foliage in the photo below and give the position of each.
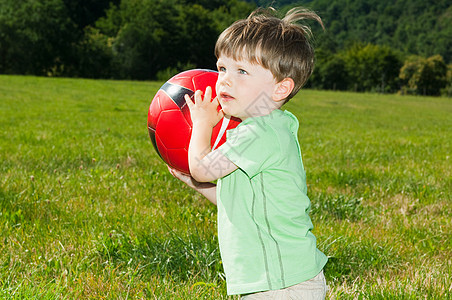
(229, 12)
(86, 12)
(35, 37)
(146, 40)
(362, 49)
(391, 30)
(154, 37)
(413, 27)
(447, 91)
(359, 68)
(95, 55)
(330, 71)
(424, 76)
(372, 67)
(169, 256)
(119, 39)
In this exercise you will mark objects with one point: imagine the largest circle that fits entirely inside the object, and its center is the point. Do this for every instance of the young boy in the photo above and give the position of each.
(264, 229)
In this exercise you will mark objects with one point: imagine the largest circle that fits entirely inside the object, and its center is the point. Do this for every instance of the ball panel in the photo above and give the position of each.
(153, 140)
(166, 103)
(186, 112)
(178, 159)
(202, 81)
(174, 136)
(184, 81)
(161, 149)
(154, 111)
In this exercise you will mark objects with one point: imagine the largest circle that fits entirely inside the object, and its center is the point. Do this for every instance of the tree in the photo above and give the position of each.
(229, 12)
(424, 76)
(411, 26)
(145, 37)
(148, 36)
(447, 91)
(198, 37)
(36, 37)
(86, 12)
(372, 67)
(359, 68)
(94, 55)
(330, 71)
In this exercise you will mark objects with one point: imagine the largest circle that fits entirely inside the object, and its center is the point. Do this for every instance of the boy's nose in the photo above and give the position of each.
(224, 79)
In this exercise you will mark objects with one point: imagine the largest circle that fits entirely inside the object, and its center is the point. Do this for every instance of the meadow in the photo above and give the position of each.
(89, 211)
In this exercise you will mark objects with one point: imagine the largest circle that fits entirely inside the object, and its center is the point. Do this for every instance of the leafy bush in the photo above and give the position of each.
(424, 76)
(358, 68)
(447, 91)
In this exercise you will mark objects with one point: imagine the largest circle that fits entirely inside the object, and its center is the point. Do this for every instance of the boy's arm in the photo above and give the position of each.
(205, 165)
(207, 189)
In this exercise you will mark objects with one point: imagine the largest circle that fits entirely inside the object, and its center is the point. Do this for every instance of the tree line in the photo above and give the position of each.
(128, 39)
(374, 68)
(385, 45)
(155, 39)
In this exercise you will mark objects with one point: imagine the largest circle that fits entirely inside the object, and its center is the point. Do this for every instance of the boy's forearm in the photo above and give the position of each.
(198, 149)
(208, 190)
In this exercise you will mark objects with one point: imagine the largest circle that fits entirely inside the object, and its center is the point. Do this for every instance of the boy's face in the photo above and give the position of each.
(244, 89)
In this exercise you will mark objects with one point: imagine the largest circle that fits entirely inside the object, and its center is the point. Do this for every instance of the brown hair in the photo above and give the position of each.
(279, 45)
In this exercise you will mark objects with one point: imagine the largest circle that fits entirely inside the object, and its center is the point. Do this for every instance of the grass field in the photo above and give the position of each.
(89, 211)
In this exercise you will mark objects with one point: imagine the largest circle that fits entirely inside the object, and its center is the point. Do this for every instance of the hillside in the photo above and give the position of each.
(155, 39)
(411, 26)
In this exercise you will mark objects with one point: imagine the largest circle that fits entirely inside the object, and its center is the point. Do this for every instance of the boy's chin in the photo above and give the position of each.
(227, 112)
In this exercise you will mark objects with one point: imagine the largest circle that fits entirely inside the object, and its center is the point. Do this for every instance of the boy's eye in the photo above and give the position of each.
(221, 69)
(241, 71)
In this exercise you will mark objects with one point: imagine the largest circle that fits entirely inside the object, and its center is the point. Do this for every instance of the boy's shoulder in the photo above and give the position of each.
(277, 117)
(281, 121)
(272, 129)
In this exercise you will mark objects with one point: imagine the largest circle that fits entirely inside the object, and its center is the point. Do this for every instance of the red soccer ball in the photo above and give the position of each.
(169, 121)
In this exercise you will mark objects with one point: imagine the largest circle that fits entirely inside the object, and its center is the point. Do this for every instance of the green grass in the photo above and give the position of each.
(89, 211)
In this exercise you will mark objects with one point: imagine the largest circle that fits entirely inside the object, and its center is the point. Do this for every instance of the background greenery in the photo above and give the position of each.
(381, 46)
(89, 211)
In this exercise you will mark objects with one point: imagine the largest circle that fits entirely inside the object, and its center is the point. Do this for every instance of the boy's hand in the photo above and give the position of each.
(185, 178)
(205, 116)
(204, 111)
(207, 189)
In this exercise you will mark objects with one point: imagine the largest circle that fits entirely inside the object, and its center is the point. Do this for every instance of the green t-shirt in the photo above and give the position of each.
(264, 228)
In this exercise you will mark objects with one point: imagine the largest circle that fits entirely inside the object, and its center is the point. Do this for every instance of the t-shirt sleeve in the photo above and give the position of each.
(251, 147)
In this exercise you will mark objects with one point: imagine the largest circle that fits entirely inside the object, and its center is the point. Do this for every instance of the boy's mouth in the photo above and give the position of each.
(226, 97)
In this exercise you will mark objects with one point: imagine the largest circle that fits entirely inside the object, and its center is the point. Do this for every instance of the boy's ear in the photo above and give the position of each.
(283, 89)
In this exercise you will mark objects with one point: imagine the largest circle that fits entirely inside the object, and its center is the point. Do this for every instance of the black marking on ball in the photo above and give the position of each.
(176, 93)
(153, 140)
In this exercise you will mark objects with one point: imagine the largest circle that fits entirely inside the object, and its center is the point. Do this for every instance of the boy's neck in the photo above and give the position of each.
(263, 106)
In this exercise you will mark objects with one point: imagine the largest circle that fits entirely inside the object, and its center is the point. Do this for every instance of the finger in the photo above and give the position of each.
(170, 170)
(208, 93)
(188, 101)
(198, 96)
